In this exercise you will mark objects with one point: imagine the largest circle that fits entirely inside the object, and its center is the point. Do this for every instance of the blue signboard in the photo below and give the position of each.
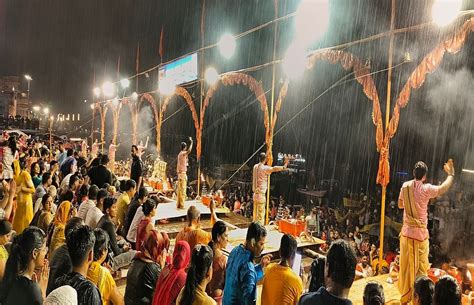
(180, 71)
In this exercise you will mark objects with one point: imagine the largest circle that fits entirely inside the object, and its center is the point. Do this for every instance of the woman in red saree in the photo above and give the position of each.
(145, 226)
(173, 277)
(146, 268)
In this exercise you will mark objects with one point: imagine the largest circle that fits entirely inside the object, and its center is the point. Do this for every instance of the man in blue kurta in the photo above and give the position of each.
(242, 275)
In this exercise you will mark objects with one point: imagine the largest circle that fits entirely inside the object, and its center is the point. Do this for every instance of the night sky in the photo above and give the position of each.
(63, 43)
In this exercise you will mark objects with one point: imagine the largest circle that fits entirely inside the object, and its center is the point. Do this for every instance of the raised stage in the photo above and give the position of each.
(392, 296)
(272, 244)
(168, 210)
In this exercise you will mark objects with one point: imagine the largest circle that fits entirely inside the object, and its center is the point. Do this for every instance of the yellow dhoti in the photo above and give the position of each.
(413, 263)
(181, 190)
(259, 202)
(112, 165)
(413, 252)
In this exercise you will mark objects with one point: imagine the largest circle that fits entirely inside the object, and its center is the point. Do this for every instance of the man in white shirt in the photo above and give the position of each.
(132, 232)
(65, 182)
(89, 203)
(94, 214)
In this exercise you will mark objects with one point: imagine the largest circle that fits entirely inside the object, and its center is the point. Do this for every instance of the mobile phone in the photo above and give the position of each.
(297, 264)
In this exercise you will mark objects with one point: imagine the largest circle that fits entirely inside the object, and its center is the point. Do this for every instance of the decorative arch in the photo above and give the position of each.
(428, 65)
(180, 91)
(93, 119)
(362, 73)
(146, 97)
(115, 107)
(231, 79)
(103, 112)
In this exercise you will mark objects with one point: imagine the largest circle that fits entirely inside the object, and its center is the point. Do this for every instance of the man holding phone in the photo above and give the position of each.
(282, 285)
(242, 275)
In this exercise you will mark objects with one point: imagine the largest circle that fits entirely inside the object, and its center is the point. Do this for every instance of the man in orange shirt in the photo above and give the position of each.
(281, 286)
(363, 269)
(192, 233)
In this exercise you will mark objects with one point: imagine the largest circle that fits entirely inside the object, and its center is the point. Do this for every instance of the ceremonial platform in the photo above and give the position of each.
(392, 295)
(176, 218)
(168, 210)
(356, 294)
(272, 243)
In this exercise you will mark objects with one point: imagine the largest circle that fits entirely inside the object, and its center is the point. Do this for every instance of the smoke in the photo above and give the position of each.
(452, 92)
(146, 128)
(450, 96)
(455, 88)
(124, 133)
(454, 236)
(438, 122)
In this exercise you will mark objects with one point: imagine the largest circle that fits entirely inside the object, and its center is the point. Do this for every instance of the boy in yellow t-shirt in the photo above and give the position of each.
(100, 275)
(281, 286)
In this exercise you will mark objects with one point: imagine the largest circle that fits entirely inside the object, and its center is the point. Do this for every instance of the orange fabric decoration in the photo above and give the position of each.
(180, 91)
(149, 98)
(115, 115)
(428, 65)
(362, 74)
(103, 112)
(230, 80)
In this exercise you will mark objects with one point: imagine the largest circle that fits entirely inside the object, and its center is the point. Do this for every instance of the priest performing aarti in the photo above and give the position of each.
(260, 175)
(414, 238)
(181, 169)
(112, 150)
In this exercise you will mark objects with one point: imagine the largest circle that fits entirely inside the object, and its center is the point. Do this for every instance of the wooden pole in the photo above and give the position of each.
(116, 115)
(103, 112)
(275, 40)
(93, 109)
(50, 138)
(201, 74)
(92, 127)
(133, 106)
(387, 121)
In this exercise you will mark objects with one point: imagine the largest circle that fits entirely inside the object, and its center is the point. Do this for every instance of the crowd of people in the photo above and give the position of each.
(68, 229)
(19, 122)
(331, 224)
(239, 201)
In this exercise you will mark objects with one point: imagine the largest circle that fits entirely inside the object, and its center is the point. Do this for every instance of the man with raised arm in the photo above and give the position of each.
(260, 185)
(414, 244)
(182, 168)
(112, 150)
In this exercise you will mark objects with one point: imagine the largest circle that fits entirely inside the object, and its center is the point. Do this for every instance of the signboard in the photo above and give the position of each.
(180, 71)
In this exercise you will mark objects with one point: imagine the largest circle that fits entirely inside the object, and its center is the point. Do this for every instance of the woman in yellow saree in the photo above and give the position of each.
(24, 199)
(63, 214)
